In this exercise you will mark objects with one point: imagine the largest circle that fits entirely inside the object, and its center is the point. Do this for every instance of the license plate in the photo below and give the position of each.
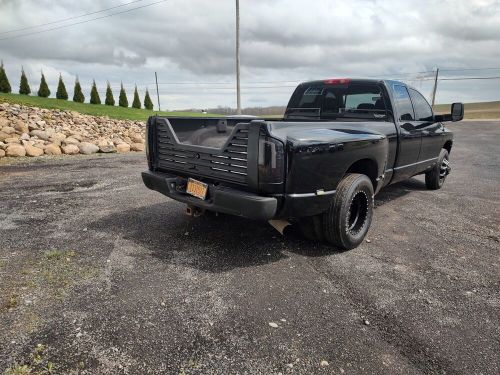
(197, 188)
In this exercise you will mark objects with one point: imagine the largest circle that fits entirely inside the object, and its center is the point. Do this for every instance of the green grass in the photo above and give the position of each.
(480, 110)
(91, 109)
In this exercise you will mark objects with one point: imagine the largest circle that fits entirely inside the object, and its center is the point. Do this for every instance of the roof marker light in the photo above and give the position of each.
(337, 81)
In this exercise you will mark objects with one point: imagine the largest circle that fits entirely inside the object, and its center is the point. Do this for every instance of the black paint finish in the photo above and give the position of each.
(318, 152)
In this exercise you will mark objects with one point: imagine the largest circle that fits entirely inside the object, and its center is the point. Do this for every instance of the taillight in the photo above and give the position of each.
(271, 163)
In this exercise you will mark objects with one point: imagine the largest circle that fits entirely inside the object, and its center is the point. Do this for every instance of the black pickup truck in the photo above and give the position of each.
(339, 142)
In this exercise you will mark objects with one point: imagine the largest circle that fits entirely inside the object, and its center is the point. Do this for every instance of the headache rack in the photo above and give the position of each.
(232, 163)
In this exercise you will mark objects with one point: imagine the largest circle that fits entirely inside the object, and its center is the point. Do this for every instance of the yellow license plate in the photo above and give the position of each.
(197, 188)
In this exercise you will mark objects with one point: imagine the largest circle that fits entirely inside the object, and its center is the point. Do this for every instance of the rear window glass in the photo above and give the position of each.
(332, 101)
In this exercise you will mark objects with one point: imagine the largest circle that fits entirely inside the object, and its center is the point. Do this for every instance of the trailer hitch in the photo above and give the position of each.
(194, 211)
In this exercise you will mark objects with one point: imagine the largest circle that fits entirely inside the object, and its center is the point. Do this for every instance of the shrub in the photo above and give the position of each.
(61, 90)
(137, 102)
(78, 94)
(94, 95)
(4, 81)
(148, 104)
(24, 87)
(110, 100)
(44, 90)
(122, 100)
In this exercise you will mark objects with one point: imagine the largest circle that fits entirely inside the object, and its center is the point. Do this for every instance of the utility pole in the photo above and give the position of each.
(435, 87)
(157, 92)
(238, 88)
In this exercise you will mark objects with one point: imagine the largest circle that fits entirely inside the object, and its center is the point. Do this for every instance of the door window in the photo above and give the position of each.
(423, 111)
(403, 103)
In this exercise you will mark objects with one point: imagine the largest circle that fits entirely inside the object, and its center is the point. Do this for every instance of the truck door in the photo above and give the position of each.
(432, 132)
(410, 136)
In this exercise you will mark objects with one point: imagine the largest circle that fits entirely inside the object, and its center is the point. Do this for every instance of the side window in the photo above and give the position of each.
(403, 103)
(423, 111)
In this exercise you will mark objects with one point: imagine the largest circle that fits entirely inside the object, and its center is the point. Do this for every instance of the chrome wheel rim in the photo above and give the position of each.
(444, 169)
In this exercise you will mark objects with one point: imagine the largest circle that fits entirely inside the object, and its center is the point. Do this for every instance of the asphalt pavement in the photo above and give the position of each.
(99, 275)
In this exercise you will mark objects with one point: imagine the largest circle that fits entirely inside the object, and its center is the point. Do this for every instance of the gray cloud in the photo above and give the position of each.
(281, 40)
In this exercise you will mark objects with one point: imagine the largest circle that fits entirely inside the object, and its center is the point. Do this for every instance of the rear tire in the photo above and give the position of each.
(434, 179)
(350, 213)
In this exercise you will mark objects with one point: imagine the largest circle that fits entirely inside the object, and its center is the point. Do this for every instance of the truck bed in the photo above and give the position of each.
(214, 148)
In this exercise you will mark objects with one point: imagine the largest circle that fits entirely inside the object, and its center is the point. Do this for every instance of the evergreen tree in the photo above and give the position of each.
(110, 100)
(148, 104)
(94, 95)
(4, 81)
(137, 102)
(44, 90)
(61, 90)
(122, 100)
(78, 94)
(24, 87)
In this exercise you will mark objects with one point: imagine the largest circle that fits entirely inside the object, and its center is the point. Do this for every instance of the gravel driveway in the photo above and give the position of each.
(99, 275)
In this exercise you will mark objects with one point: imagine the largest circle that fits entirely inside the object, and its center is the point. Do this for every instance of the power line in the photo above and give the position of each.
(466, 78)
(69, 18)
(467, 69)
(223, 83)
(81, 22)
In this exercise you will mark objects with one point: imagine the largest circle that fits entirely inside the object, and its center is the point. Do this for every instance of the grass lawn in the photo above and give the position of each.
(480, 110)
(91, 109)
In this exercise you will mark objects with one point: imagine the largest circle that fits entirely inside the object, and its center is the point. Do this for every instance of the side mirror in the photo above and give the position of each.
(457, 111)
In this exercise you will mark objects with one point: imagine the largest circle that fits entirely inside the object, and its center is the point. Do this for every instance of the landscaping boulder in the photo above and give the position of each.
(21, 127)
(32, 150)
(41, 134)
(122, 148)
(137, 147)
(8, 130)
(11, 140)
(70, 149)
(71, 141)
(57, 138)
(52, 149)
(4, 122)
(15, 150)
(136, 138)
(106, 146)
(50, 129)
(87, 148)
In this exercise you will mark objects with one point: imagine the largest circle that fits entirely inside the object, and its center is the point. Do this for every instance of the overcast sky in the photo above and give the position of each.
(282, 42)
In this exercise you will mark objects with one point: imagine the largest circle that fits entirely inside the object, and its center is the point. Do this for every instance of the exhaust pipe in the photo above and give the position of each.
(194, 211)
(279, 225)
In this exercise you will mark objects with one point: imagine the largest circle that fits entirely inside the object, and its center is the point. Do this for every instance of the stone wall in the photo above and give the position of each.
(31, 131)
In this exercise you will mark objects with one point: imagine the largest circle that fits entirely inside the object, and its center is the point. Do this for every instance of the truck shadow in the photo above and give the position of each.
(399, 190)
(218, 243)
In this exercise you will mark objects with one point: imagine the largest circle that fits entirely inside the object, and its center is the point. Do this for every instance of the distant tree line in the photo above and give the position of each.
(78, 96)
(254, 111)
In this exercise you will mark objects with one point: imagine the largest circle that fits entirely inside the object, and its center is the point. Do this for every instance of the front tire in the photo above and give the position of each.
(350, 213)
(434, 179)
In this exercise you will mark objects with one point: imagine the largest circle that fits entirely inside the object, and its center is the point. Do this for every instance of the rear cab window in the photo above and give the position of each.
(324, 101)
